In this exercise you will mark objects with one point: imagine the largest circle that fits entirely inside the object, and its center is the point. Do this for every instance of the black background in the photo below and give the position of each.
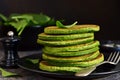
(105, 13)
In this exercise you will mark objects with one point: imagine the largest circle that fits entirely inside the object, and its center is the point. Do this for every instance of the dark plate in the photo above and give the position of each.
(101, 71)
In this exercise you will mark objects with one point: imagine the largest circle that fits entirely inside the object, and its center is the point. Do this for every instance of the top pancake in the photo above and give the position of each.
(73, 30)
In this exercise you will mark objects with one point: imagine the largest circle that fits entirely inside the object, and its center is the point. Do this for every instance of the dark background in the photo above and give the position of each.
(105, 13)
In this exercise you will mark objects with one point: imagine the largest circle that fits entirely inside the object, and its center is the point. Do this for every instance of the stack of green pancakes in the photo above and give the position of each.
(69, 49)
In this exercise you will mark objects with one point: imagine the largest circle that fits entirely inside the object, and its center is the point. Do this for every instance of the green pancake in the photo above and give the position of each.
(71, 53)
(44, 65)
(86, 63)
(70, 59)
(47, 37)
(73, 30)
(65, 43)
(78, 47)
(47, 67)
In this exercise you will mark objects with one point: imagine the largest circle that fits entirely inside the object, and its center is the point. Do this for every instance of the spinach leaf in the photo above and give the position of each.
(34, 61)
(3, 17)
(60, 25)
(20, 21)
(19, 25)
(7, 73)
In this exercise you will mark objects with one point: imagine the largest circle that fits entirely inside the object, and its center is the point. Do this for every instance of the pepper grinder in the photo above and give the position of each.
(10, 45)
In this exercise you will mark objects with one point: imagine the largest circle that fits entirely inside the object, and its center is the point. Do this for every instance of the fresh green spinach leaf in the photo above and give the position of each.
(60, 25)
(20, 21)
(3, 17)
(34, 61)
(7, 73)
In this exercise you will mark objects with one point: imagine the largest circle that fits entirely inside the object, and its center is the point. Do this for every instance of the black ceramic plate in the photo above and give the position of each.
(101, 71)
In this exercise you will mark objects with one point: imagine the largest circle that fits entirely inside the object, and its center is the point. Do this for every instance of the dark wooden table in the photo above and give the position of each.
(28, 75)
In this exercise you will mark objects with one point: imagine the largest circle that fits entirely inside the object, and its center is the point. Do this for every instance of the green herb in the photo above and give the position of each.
(34, 61)
(60, 25)
(20, 21)
(20, 25)
(3, 17)
(7, 73)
